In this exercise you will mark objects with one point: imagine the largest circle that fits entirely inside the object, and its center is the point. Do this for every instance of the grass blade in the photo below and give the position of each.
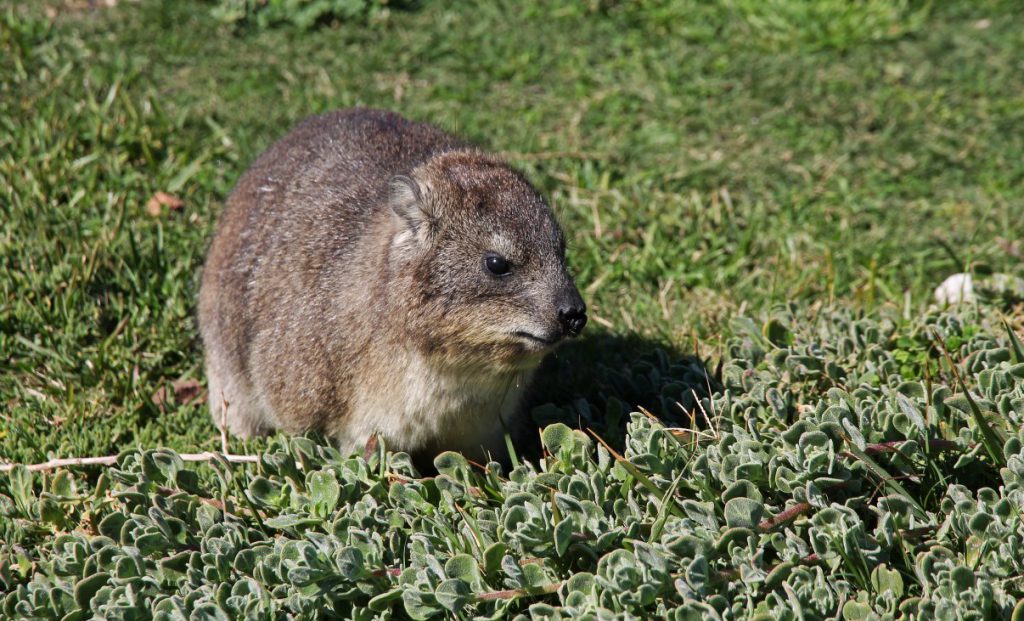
(992, 441)
(989, 437)
(637, 474)
(1018, 349)
(886, 478)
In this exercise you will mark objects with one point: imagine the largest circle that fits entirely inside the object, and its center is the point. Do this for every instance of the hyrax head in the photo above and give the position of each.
(483, 261)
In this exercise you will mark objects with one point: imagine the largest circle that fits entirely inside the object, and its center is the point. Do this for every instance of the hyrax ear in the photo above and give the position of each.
(407, 201)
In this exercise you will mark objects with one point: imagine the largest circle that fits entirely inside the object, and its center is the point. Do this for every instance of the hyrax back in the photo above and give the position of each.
(374, 275)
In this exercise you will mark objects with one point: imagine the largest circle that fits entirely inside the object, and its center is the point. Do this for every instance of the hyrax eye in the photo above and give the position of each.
(496, 264)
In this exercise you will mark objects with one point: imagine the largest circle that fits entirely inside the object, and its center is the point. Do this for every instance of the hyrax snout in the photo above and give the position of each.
(374, 275)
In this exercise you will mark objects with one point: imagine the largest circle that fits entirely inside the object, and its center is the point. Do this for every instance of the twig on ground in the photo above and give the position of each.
(893, 446)
(110, 460)
(789, 514)
(546, 589)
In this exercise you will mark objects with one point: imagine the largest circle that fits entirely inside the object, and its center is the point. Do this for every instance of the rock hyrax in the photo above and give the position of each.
(374, 275)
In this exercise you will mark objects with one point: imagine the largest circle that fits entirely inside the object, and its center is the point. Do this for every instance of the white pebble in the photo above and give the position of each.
(955, 289)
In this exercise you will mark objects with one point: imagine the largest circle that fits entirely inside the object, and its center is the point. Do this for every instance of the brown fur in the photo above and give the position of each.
(345, 289)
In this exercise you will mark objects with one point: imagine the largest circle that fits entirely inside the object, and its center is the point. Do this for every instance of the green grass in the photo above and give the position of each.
(704, 162)
(709, 160)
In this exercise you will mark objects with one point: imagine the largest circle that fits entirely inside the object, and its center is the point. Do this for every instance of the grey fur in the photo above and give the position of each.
(345, 289)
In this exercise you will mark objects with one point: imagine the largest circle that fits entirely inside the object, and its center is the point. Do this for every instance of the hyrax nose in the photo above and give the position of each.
(573, 317)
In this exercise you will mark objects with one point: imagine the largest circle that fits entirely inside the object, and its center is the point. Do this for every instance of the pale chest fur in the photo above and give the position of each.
(415, 404)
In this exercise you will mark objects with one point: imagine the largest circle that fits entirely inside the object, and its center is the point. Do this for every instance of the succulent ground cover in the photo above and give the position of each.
(825, 477)
(767, 416)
